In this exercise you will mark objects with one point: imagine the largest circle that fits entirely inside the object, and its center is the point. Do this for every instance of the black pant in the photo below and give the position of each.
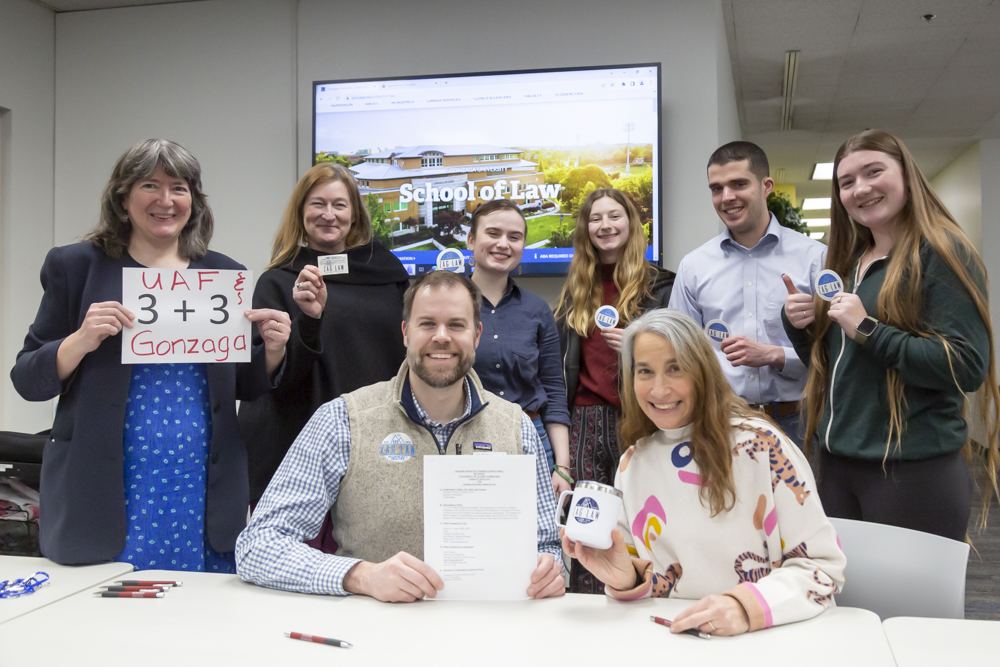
(930, 495)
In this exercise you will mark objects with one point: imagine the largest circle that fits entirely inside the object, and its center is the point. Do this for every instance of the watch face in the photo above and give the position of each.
(867, 326)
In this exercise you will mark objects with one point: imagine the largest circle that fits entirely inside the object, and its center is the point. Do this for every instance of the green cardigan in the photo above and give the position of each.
(855, 420)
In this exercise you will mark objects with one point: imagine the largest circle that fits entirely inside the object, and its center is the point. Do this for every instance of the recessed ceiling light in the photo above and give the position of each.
(817, 222)
(823, 171)
(929, 17)
(816, 203)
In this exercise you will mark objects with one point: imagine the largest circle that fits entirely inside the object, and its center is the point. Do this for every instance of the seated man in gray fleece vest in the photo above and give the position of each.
(359, 458)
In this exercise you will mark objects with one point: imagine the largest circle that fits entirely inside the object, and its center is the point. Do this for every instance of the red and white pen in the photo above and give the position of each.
(689, 631)
(318, 640)
(115, 594)
(132, 582)
(137, 589)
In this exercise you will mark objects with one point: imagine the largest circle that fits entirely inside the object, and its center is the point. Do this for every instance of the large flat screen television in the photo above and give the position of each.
(427, 151)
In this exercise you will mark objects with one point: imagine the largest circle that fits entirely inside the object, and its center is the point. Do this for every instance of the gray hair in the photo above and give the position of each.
(688, 340)
(114, 230)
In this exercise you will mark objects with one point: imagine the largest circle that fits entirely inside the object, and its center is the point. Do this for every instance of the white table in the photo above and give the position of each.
(943, 641)
(218, 619)
(64, 580)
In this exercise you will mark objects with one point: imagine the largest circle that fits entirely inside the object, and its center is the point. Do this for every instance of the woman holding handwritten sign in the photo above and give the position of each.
(145, 463)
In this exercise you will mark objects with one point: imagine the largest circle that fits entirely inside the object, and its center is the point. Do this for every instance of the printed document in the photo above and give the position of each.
(481, 525)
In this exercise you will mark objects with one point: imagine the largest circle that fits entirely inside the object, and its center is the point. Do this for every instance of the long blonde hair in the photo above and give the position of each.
(900, 301)
(714, 402)
(583, 292)
(291, 234)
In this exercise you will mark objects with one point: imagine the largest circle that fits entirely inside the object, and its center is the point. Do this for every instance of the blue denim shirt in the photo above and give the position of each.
(518, 357)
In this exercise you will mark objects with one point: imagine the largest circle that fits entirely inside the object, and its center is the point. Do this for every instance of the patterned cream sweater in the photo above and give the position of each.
(774, 551)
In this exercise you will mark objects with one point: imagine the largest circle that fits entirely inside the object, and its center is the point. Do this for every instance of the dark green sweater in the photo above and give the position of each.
(855, 418)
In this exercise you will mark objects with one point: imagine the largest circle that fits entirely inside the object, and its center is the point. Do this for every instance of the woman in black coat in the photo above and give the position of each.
(145, 463)
(346, 330)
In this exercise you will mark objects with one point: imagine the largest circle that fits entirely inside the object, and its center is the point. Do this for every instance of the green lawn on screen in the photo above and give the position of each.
(541, 228)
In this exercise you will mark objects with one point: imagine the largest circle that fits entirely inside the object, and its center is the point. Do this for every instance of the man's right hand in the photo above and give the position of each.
(800, 309)
(402, 578)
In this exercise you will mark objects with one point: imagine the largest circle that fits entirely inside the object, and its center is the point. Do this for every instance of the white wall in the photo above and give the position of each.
(27, 90)
(989, 161)
(400, 38)
(959, 187)
(217, 77)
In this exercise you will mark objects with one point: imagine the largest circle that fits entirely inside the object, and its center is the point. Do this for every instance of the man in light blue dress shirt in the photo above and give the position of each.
(736, 277)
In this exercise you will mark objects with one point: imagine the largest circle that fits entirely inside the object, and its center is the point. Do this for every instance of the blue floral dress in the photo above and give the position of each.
(168, 426)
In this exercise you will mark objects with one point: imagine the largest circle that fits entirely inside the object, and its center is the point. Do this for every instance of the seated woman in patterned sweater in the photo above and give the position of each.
(719, 505)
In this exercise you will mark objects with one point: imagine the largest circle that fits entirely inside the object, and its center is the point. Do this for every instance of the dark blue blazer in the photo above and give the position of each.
(82, 489)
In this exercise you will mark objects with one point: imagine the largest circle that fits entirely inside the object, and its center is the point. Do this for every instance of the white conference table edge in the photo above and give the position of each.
(224, 618)
(917, 641)
(64, 581)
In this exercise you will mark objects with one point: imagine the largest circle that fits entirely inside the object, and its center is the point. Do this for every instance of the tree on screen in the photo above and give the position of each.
(446, 225)
(639, 188)
(380, 228)
(578, 178)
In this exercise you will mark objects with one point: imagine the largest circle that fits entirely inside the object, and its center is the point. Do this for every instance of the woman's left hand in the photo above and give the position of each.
(274, 326)
(613, 337)
(716, 615)
(847, 311)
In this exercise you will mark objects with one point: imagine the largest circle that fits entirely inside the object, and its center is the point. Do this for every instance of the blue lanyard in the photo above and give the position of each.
(12, 589)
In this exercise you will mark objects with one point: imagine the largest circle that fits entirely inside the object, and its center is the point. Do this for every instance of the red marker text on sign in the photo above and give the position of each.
(143, 345)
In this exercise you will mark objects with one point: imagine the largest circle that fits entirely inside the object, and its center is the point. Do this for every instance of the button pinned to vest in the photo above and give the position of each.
(397, 447)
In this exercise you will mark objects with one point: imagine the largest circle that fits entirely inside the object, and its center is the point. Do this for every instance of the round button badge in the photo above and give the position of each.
(606, 317)
(718, 330)
(451, 259)
(828, 284)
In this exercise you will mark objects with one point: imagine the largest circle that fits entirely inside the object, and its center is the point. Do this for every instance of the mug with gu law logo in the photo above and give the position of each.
(593, 513)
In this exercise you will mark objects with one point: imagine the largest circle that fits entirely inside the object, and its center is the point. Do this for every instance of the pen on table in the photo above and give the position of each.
(133, 582)
(318, 640)
(689, 631)
(137, 589)
(115, 594)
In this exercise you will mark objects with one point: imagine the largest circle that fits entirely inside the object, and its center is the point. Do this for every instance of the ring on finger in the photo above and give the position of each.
(299, 286)
(712, 625)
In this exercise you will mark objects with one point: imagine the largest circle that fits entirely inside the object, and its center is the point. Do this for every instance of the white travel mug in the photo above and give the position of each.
(593, 513)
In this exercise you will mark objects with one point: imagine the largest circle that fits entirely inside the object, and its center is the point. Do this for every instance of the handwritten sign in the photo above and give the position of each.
(186, 316)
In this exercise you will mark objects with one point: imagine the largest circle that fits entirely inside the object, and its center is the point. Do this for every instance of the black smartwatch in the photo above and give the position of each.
(865, 329)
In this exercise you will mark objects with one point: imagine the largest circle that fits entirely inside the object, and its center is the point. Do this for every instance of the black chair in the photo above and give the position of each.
(21, 456)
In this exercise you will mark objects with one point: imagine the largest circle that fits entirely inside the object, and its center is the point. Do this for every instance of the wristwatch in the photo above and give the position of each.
(865, 329)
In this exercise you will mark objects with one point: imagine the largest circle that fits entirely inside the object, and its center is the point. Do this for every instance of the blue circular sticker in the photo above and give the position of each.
(397, 447)
(451, 259)
(828, 284)
(717, 330)
(586, 510)
(606, 317)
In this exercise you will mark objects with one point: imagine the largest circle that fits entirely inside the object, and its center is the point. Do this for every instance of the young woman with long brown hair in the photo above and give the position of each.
(892, 356)
(608, 268)
(718, 504)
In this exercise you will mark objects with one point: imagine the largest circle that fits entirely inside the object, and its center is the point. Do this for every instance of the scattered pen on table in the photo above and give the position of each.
(132, 582)
(116, 594)
(137, 589)
(318, 640)
(689, 631)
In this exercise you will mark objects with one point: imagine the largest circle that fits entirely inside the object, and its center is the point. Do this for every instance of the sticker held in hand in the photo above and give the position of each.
(606, 317)
(828, 284)
(717, 330)
(331, 265)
